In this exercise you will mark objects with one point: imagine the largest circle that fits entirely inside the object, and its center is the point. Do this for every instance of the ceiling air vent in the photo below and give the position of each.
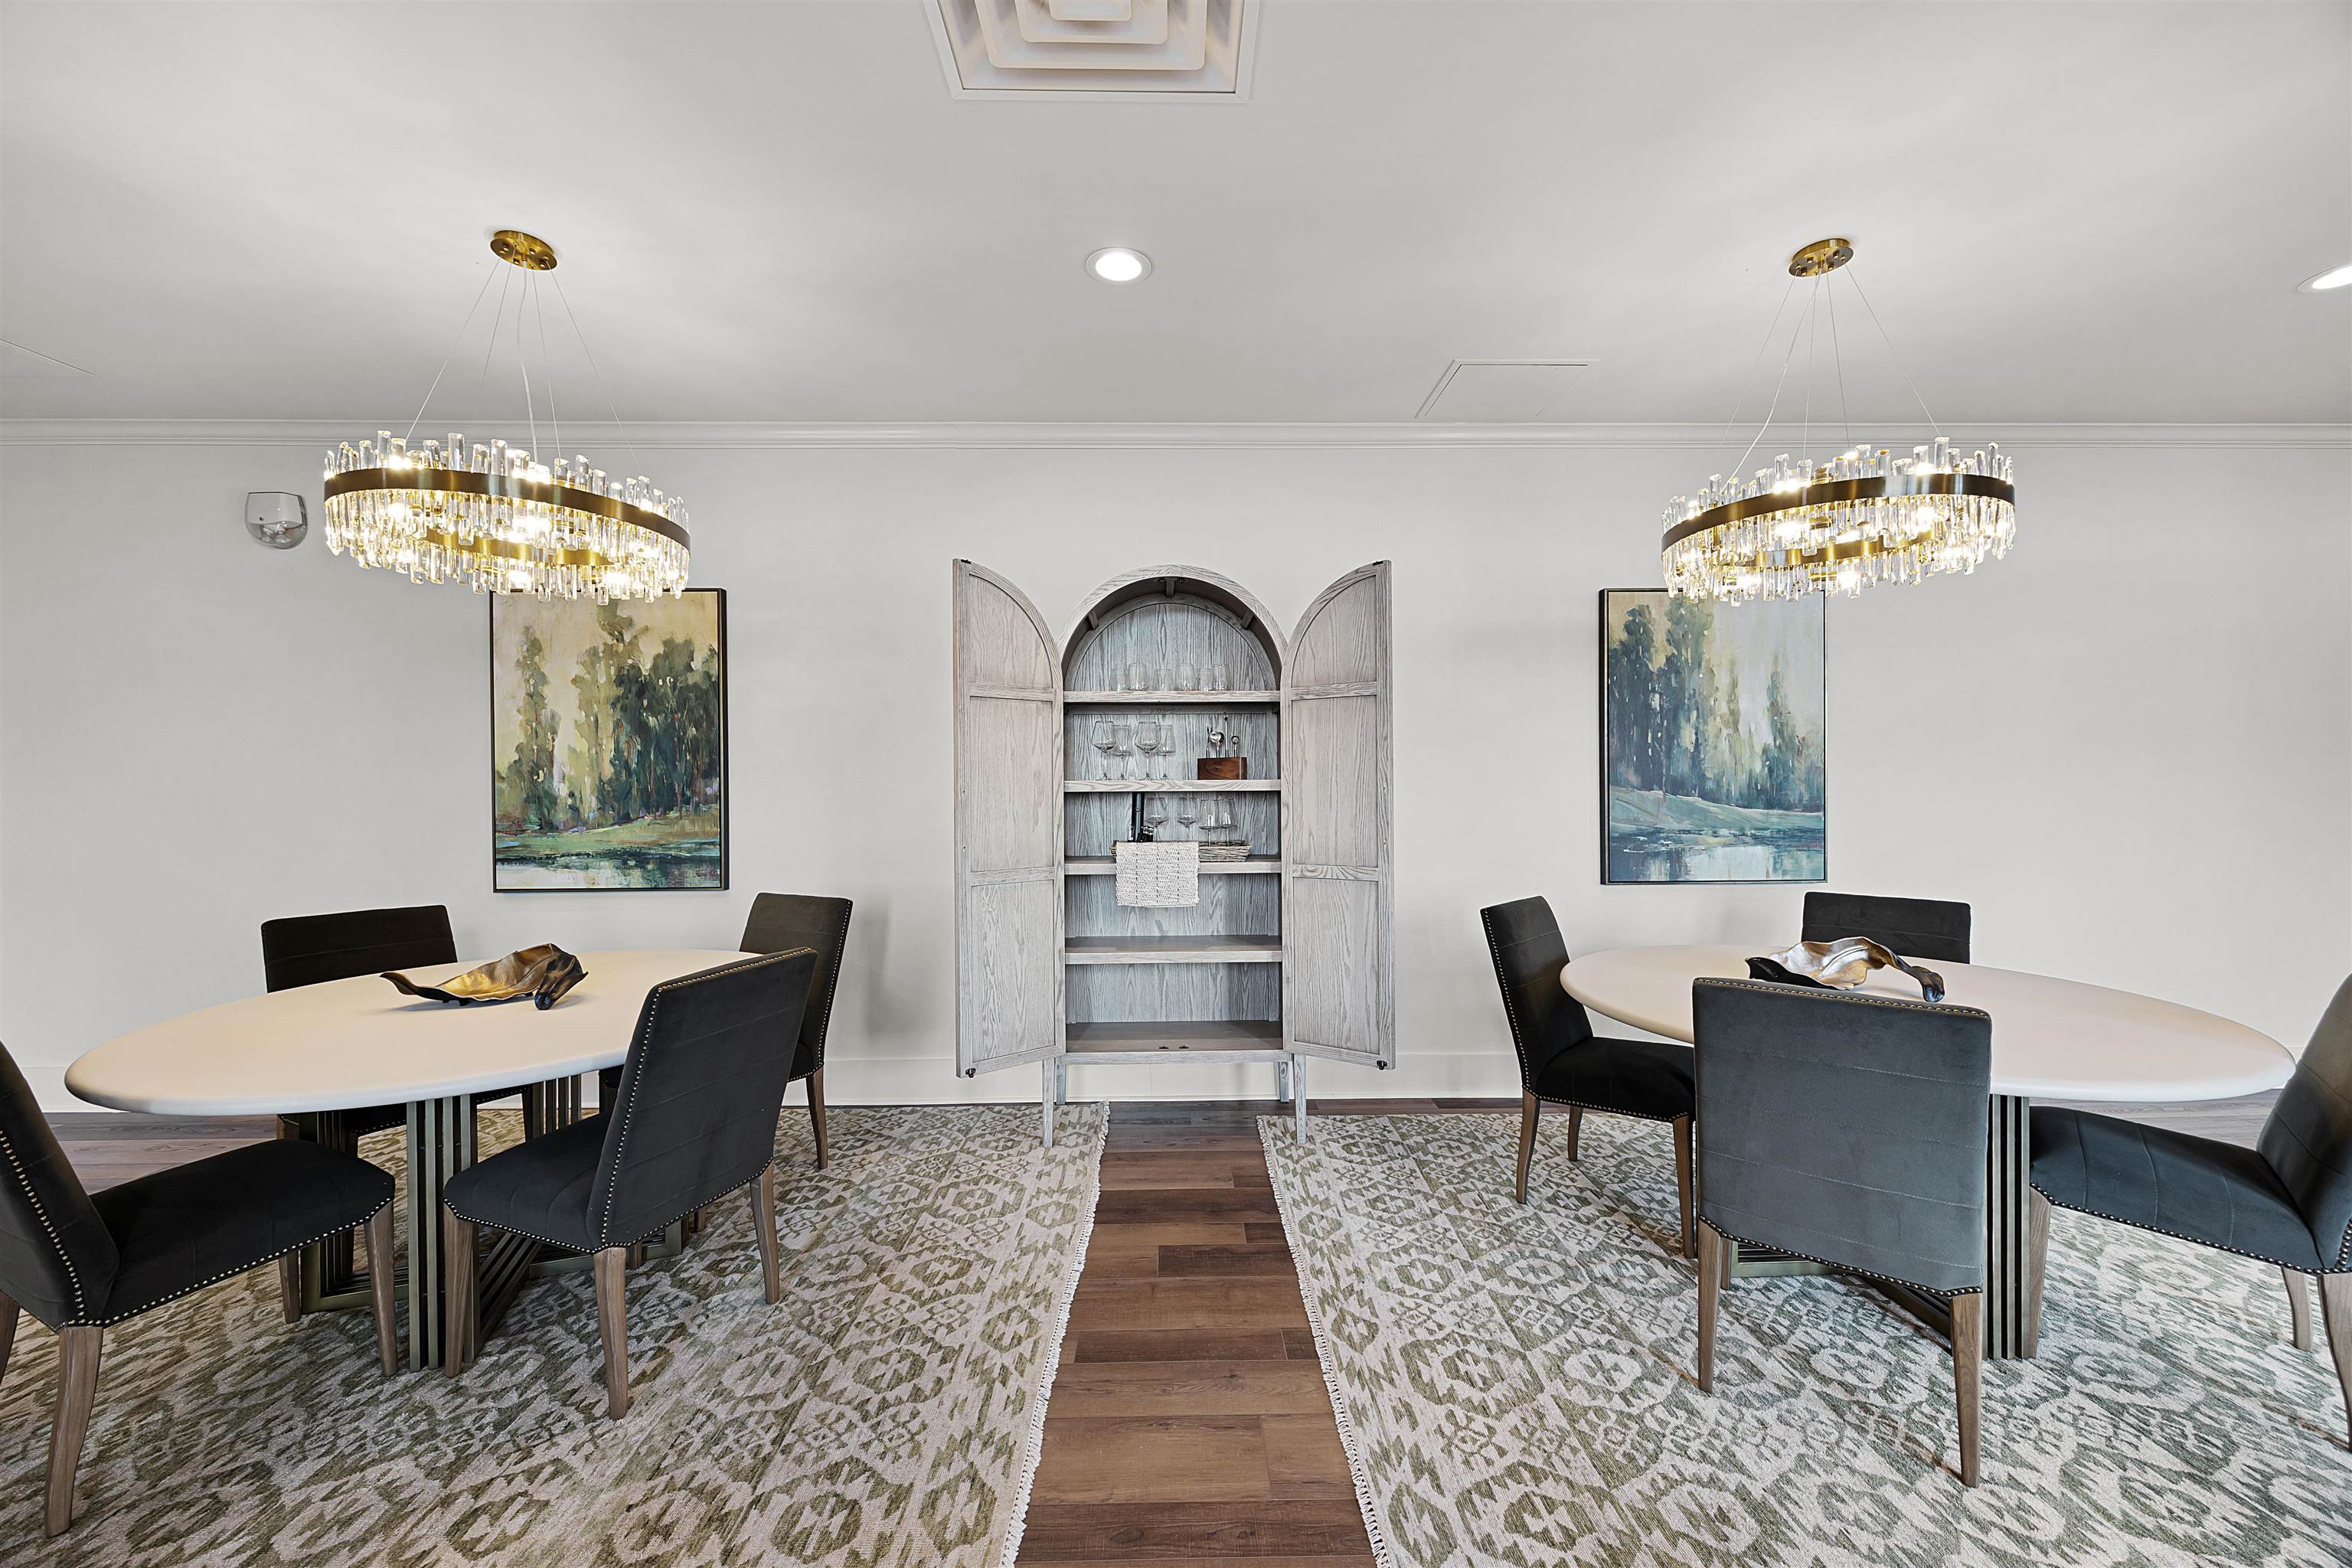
(1096, 49)
(1502, 391)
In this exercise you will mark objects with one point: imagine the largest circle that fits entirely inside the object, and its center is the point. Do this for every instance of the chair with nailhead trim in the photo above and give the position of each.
(1563, 1062)
(1848, 1130)
(692, 1119)
(2286, 1201)
(81, 1264)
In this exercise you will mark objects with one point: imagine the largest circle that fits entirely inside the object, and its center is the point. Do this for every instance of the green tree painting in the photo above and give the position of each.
(1712, 725)
(609, 743)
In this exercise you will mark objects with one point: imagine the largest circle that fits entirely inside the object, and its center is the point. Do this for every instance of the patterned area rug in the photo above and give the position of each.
(886, 1412)
(1515, 1383)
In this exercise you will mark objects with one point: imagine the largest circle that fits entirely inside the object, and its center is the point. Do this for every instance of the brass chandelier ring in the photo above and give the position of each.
(508, 486)
(1827, 491)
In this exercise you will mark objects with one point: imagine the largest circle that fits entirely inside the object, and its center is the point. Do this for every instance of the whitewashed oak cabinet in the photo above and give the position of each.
(1289, 953)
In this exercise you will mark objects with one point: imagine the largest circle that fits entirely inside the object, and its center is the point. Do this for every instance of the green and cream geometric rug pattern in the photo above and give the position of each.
(1515, 1383)
(885, 1413)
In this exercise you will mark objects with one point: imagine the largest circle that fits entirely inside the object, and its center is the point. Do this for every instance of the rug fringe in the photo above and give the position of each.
(1033, 1449)
(1357, 1470)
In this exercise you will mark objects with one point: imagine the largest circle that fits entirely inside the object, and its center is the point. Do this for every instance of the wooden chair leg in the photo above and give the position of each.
(1968, 1376)
(2336, 1313)
(2037, 1265)
(379, 1283)
(1531, 1110)
(1575, 1128)
(457, 1289)
(817, 1113)
(763, 1201)
(78, 1350)
(290, 1267)
(1683, 1185)
(2298, 1309)
(612, 1326)
(8, 1310)
(1710, 1287)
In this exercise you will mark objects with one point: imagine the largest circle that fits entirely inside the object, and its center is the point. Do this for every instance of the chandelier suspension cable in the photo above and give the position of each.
(482, 382)
(1812, 340)
(1892, 353)
(1786, 360)
(452, 353)
(547, 367)
(1761, 350)
(596, 370)
(1837, 356)
(530, 412)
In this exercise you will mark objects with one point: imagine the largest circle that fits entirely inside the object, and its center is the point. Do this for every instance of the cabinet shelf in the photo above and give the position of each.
(1170, 786)
(1256, 865)
(1172, 950)
(1227, 1039)
(1168, 698)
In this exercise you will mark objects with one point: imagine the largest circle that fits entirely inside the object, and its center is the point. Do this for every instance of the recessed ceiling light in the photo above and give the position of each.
(1117, 264)
(2334, 277)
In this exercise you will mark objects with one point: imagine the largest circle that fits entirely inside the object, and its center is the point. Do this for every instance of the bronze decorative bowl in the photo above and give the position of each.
(1840, 964)
(544, 973)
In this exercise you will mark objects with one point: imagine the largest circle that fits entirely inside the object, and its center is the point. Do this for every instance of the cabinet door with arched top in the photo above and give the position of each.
(1338, 979)
(1008, 773)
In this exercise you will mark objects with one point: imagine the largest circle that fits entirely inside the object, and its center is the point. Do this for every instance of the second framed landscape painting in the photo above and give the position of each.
(1712, 720)
(608, 743)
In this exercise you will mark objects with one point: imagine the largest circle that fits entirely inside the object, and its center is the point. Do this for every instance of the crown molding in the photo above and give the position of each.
(748, 437)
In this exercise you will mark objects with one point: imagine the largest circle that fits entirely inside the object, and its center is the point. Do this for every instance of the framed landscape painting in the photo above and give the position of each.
(1711, 740)
(608, 743)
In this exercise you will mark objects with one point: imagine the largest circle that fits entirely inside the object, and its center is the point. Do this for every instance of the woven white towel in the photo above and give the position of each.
(1159, 876)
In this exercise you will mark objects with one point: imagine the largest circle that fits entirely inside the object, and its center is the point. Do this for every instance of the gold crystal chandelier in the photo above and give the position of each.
(1839, 526)
(491, 516)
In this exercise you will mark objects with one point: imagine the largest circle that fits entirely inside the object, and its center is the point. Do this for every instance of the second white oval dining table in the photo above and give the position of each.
(2052, 1039)
(346, 1044)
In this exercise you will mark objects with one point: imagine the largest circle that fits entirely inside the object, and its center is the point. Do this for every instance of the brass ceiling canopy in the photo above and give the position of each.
(1821, 257)
(534, 254)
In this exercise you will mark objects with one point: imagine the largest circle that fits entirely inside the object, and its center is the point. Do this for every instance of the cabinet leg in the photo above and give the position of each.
(1046, 1078)
(1298, 1097)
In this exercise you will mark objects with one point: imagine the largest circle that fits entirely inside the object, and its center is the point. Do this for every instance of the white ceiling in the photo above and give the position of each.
(777, 212)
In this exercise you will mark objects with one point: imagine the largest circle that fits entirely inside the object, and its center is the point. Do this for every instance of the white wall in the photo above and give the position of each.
(2127, 745)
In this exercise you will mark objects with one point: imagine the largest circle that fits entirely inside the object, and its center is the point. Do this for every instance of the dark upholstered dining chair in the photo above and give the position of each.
(1931, 929)
(1851, 1131)
(1563, 1062)
(694, 1119)
(310, 949)
(82, 1264)
(2286, 1201)
(780, 922)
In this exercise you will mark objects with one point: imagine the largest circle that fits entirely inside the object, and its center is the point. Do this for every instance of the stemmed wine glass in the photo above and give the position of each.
(1106, 741)
(1188, 811)
(1155, 818)
(1123, 748)
(1150, 740)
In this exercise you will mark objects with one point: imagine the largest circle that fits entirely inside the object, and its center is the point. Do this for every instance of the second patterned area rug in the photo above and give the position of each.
(1515, 1383)
(885, 1413)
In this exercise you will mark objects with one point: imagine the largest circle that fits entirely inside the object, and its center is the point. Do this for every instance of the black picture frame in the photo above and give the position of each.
(1605, 770)
(726, 727)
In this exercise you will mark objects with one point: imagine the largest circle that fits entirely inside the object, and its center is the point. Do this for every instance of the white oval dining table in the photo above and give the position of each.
(315, 1050)
(2052, 1039)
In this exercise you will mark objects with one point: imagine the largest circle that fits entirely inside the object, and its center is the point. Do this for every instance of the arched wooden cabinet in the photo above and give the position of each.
(1290, 952)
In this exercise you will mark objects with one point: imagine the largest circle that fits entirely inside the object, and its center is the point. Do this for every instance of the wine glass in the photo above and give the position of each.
(1187, 810)
(1147, 741)
(1155, 818)
(1188, 678)
(1215, 678)
(1123, 747)
(1106, 741)
(1138, 677)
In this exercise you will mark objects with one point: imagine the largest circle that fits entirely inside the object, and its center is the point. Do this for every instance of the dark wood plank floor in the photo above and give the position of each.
(1189, 1422)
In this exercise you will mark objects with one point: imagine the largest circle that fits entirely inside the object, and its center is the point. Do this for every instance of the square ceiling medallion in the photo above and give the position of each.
(1196, 49)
